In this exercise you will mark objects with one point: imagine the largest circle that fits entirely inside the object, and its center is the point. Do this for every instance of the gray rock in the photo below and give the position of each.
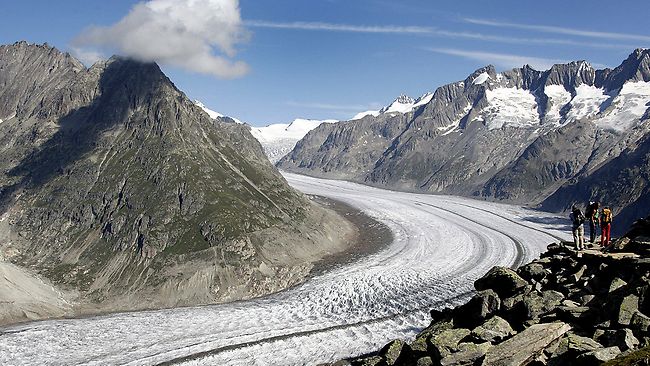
(469, 354)
(477, 309)
(572, 345)
(396, 352)
(446, 342)
(616, 284)
(424, 361)
(597, 356)
(534, 304)
(628, 306)
(533, 271)
(640, 322)
(493, 330)
(624, 339)
(370, 361)
(525, 346)
(504, 281)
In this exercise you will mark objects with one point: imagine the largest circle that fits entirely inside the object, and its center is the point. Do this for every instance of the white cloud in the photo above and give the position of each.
(420, 30)
(339, 27)
(501, 59)
(197, 35)
(88, 57)
(560, 30)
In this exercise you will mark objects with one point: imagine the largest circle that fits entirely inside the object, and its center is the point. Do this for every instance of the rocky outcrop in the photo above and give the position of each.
(123, 194)
(566, 308)
(558, 137)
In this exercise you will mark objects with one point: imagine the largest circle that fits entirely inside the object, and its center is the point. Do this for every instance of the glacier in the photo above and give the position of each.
(441, 244)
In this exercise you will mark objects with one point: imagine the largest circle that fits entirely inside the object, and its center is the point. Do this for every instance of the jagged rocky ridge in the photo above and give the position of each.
(566, 308)
(122, 194)
(525, 136)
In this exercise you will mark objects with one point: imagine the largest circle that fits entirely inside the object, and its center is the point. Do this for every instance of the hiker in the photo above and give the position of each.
(577, 219)
(605, 226)
(592, 215)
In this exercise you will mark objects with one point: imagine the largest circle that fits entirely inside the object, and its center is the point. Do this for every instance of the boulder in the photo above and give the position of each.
(504, 281)
(572, 345)
(616, 284)
(493, 330)
(575, 277)
(369, 361)
(446, 342)
(397, 352)
(533, 271)
(525, 346)
(619, 244)
(628, 306)
(624, 339)
(421, 342)
(424, 361)
(576, 314)
(597, 356)
(640, 322)
(469, 354)
(477, 309)
(535, 304)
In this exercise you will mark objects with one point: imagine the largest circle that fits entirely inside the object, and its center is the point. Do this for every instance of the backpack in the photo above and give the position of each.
(578, 218)
(606, 217)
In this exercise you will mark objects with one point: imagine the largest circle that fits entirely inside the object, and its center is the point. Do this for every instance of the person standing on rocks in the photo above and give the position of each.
(592, 215)
(578, 219)
(605, 226)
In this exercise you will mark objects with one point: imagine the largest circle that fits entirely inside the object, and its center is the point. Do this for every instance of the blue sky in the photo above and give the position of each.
(273, 61)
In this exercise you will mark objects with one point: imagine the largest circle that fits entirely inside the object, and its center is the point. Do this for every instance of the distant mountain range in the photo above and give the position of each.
(553, 138)
(117, 192)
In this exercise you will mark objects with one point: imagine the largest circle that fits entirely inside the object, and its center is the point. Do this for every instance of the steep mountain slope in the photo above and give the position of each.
(519, 135)
(119, 189)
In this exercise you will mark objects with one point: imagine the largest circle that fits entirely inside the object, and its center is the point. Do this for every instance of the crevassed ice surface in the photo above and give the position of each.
(510, 107)
(441, 245)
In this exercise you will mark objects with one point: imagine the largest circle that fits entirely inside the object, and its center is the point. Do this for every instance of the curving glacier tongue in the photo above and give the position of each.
(441, 244)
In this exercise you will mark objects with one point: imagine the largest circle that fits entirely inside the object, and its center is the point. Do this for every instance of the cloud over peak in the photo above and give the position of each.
(197, 35)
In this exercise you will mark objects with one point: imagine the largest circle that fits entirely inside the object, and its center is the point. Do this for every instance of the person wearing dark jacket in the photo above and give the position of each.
(578, 219)
(591, 214)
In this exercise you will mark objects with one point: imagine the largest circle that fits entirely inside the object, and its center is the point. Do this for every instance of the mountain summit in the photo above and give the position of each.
(119, 189)
(522, 135)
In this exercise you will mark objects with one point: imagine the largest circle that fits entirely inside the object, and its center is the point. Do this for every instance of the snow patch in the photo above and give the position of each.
(511, 107)
(454, 125)
(214, 114)
(481, 78)
(363, 114)
(627, 108)
(558, 97)
(587, 102)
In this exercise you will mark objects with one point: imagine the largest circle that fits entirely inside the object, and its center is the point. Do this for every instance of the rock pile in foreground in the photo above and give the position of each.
(566, 308)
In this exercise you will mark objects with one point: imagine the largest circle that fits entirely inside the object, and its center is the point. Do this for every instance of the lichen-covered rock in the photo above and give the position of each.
(370, 361)
(446, 342)
(424, 361)
(493, 330)
(572, 345)
(533, 271)
(396, 352)
(640, 322)
(628, 306)
(504, 281)
(477, 309)
(597, 356)
(525, 346)
(616, 284)
(535, 304)
(468, 354)
(624, 339)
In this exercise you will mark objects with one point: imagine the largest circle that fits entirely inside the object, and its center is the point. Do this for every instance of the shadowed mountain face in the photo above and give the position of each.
(114, 184)
(518, 136)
